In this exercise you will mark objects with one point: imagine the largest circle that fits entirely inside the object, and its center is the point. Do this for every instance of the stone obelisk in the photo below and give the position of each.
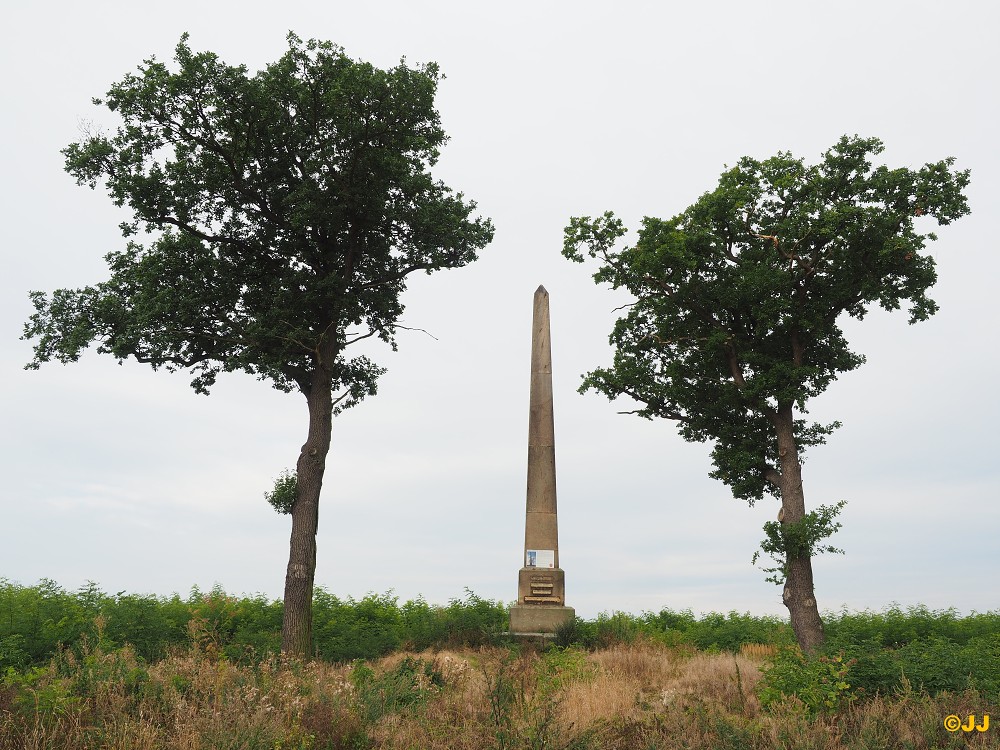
(541, 583)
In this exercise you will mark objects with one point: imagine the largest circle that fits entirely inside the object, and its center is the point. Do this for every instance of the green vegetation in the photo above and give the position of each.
(736, 323)
(638, 694)
(873, 653)
(37, 622)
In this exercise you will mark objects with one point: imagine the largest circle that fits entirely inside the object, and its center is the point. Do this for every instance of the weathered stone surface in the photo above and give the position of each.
(539, 618)
(555, 586)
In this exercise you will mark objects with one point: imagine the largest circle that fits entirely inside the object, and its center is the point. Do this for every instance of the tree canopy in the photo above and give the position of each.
(739, 299)
(287, 206)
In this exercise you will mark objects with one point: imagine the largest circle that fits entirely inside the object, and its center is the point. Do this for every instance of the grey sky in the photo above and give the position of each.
(126, 477)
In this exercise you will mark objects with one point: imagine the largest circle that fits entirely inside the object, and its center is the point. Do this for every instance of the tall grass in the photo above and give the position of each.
(87, 669)
(642, 695)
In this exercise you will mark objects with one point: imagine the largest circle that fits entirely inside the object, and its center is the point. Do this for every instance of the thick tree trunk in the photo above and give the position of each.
(296, 628)
(799, 595)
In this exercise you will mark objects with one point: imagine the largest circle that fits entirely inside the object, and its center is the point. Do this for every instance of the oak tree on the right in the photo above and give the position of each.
(737, 317)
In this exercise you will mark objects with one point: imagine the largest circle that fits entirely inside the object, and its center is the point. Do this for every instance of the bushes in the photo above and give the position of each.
(931, 650)
(377, 625)
(931, 664)
(711, 632)
(819, 682)
(408, 684)
(37, 621)
(896, 627)
(349, 629)
(718, 632)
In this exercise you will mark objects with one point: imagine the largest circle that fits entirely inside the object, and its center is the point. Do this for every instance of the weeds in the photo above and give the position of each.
(645, 695)
(671, 680)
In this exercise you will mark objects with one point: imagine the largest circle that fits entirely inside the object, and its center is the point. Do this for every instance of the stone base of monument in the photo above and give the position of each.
(539, 619)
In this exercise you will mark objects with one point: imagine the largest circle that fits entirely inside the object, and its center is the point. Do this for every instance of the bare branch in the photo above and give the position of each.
(368, 335)
(407, 328)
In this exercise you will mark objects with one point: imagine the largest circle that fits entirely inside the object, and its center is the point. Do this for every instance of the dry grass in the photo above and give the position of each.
(636, 696)
(602, 698)
(720, 678)
(758, 651)
(652, 665)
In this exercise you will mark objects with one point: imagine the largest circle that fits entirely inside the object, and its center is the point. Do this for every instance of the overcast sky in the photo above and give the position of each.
(126, 477)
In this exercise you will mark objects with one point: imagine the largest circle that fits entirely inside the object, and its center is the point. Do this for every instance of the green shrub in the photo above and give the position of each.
(141, 621)
(718, 632)
(474, 621)
(422, 626)
(933, 664)
(408, 684)
(981, 655)
(819, 681)
(37, 693)
(347, 629)
(12, 652)
(896, 627)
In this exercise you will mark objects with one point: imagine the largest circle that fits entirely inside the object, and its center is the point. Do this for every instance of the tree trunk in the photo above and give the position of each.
(799, 595)
(296, 628)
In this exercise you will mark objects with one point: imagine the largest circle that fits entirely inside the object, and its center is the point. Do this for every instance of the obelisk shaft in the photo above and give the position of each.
(540, 528)
(541, 585)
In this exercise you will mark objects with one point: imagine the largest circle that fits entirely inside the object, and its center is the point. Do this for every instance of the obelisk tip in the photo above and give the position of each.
(541, 290)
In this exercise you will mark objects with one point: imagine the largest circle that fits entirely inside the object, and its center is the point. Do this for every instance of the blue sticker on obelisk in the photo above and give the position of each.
(540, 558)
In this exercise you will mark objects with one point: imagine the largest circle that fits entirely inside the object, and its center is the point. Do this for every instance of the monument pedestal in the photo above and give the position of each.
(533, 619)
(541, 594)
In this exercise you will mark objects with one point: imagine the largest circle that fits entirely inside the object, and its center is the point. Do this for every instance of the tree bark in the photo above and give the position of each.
(799, 594)
(296, 628)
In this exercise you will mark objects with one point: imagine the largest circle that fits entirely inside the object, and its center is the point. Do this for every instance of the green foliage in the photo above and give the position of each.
(475, 621)
(12, 652)
(553, 673)
(819, 681)
(895, 627)
(738, 303)
(286, 207)
(348, 629)
(96, 636)
(36, 621)
(39, 694)
(504, 695)
(524, 693)
(396, 690)
(377, 625)
(785, 541)
(614, 629)
(715, 631)
(738, 299)
(559, 667)
(284, 493)
(885, 653)
(931, 663)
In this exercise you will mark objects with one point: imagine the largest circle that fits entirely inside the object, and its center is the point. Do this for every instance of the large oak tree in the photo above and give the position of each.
(737, 317)
(275, 219)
